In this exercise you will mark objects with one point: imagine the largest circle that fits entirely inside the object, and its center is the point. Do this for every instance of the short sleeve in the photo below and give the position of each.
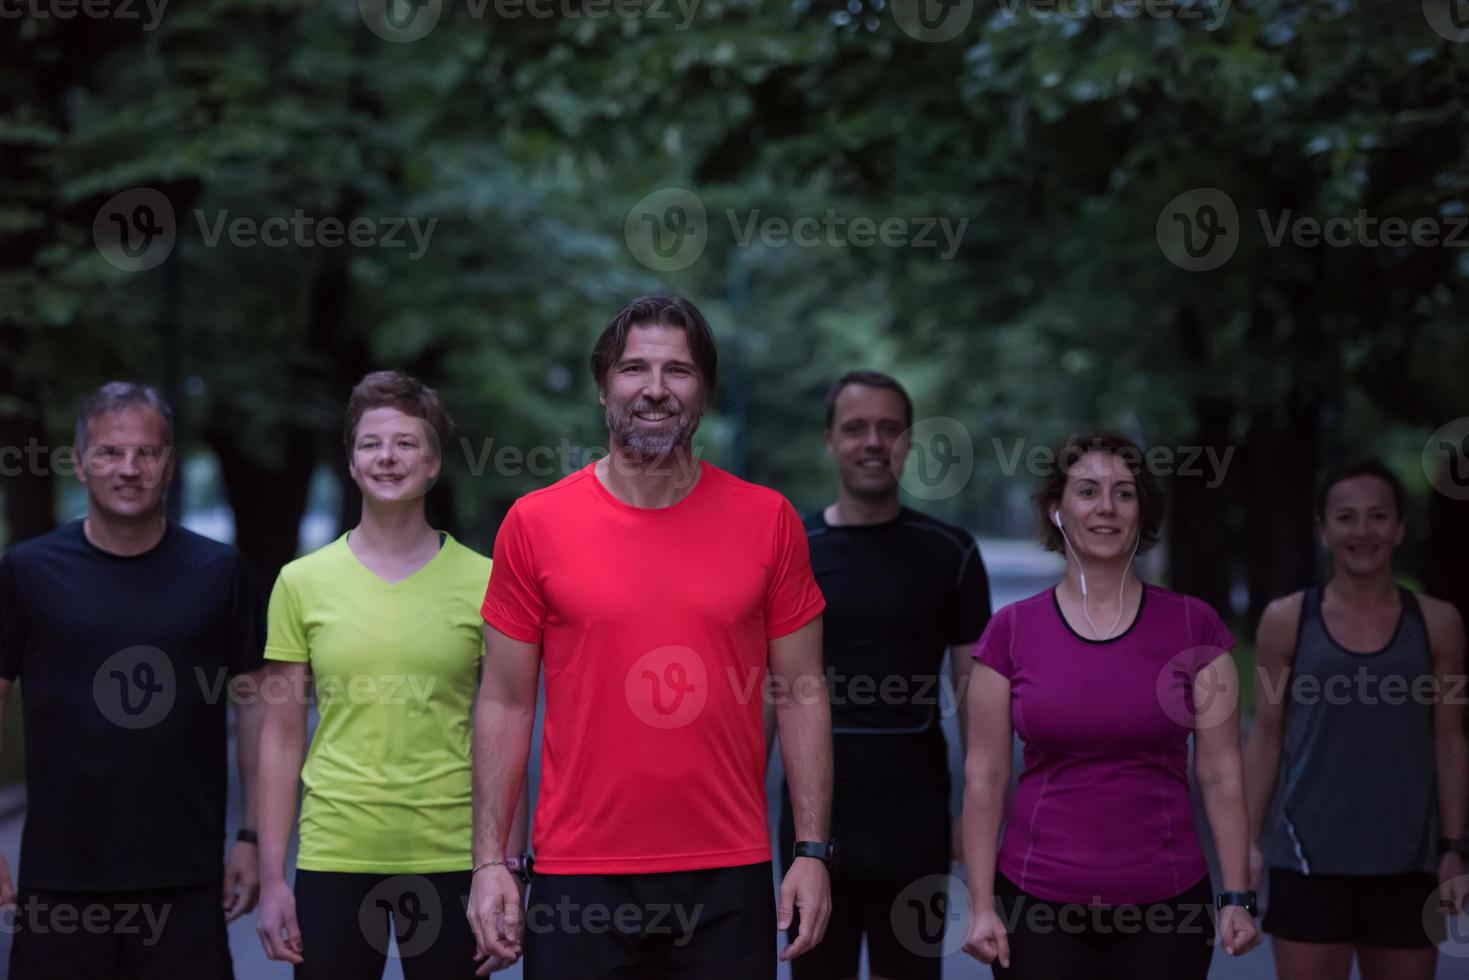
(971, 609)
(247, 621)
(792, 599)
(1207, 633)
(12, 621)
(995, 645)
(514, 602)
(285, 637)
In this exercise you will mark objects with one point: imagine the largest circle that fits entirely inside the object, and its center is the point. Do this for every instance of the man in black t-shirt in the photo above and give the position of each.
(901, 589)
(126, 634)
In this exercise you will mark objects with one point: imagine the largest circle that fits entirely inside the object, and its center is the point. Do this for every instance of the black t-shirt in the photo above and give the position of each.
(123, 665)
(898, 594)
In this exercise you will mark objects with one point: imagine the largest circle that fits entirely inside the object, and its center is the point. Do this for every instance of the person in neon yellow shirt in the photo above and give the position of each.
(384, 624)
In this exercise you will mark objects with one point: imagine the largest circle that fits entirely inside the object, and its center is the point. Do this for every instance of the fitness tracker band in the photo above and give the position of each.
(1245, 900)
(823, 851)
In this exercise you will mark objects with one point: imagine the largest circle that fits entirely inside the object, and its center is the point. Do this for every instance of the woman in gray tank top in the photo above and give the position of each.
(1355, 766)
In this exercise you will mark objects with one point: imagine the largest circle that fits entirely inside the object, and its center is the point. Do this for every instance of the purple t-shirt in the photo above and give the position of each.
(1102, 812)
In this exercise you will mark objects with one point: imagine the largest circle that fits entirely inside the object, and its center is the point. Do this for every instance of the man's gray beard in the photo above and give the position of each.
(651, 445)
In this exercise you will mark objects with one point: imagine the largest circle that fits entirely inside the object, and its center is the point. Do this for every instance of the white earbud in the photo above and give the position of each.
(1056, 517)
(1081, 573)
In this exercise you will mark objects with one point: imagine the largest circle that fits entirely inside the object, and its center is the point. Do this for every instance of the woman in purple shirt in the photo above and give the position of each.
(1101, 873)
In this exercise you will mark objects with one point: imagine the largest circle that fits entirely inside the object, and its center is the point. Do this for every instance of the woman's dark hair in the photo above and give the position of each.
(1150, 499)
(1359, 467)
(657, 311)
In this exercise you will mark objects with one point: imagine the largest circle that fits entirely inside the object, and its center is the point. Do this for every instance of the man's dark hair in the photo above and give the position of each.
(1359, 467)
(657, 311)
(115, 396)
(868, 379)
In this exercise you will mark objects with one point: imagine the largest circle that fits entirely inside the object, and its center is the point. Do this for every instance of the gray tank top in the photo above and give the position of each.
(1357, 789)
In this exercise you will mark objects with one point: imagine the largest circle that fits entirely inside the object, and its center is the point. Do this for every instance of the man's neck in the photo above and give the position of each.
(850, 509)
(650, 483)
(124, 537)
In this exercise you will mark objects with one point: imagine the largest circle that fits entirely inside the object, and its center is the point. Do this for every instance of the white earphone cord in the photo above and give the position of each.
(1081, 569)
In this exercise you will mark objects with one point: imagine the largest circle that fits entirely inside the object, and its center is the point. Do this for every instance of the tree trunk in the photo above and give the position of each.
(29, 503)
(1280, 470)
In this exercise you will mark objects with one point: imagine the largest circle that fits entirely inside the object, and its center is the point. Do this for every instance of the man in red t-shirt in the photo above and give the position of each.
(667, 600)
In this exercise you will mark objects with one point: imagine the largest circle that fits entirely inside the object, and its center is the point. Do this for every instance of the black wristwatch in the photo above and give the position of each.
(1245, 900)
(1454, 845)
(823, 851)
(247, 836)
(520, 866)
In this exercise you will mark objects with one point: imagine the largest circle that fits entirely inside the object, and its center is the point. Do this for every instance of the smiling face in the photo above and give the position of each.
(653, 395)
(126, 464)
(1099, 507)
(1360, 525)
(868, 440)
(395, 456)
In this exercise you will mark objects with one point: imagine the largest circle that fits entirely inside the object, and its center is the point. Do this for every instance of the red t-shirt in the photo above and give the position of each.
(653, 625)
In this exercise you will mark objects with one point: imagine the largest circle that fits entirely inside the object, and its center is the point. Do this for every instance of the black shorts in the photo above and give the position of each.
(891, 883)
(1172, 939)
(346, 917)
(714, 924)
(152, 934)
(1363, 910)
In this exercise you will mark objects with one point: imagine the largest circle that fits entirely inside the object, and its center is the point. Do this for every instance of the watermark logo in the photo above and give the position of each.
(400, 21)
(1443, 921)
(667, 230)
(1192, 703)
(1448, 18)
(135, 230)
(119, 10)
(940, 460)
(412, 902)
(135, 688)
(933, 21)
(930, 917)
(1446, 459)
(1186, 462)
(1199, 229)
(667, 687)
(1211, 12)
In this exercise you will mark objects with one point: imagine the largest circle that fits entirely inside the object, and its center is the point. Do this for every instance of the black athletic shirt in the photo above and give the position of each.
(898, 594)
(122, 663)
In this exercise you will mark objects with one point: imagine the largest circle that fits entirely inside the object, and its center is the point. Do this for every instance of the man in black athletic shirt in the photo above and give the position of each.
(900, 589)
(125, 631)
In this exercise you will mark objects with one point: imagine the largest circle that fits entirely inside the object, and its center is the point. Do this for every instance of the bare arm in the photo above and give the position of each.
(504, 717)
(4, 697)
(1446, 637)
(520, 826)
(804, 720)
(803, 715)
(282, 741)
(7, 887)
(1275, 642)
(988, 751)
(961, 669)
(249, 724)
(1219, 769)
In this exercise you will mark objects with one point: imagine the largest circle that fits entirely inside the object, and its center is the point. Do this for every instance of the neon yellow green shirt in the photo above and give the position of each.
(395, 669)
